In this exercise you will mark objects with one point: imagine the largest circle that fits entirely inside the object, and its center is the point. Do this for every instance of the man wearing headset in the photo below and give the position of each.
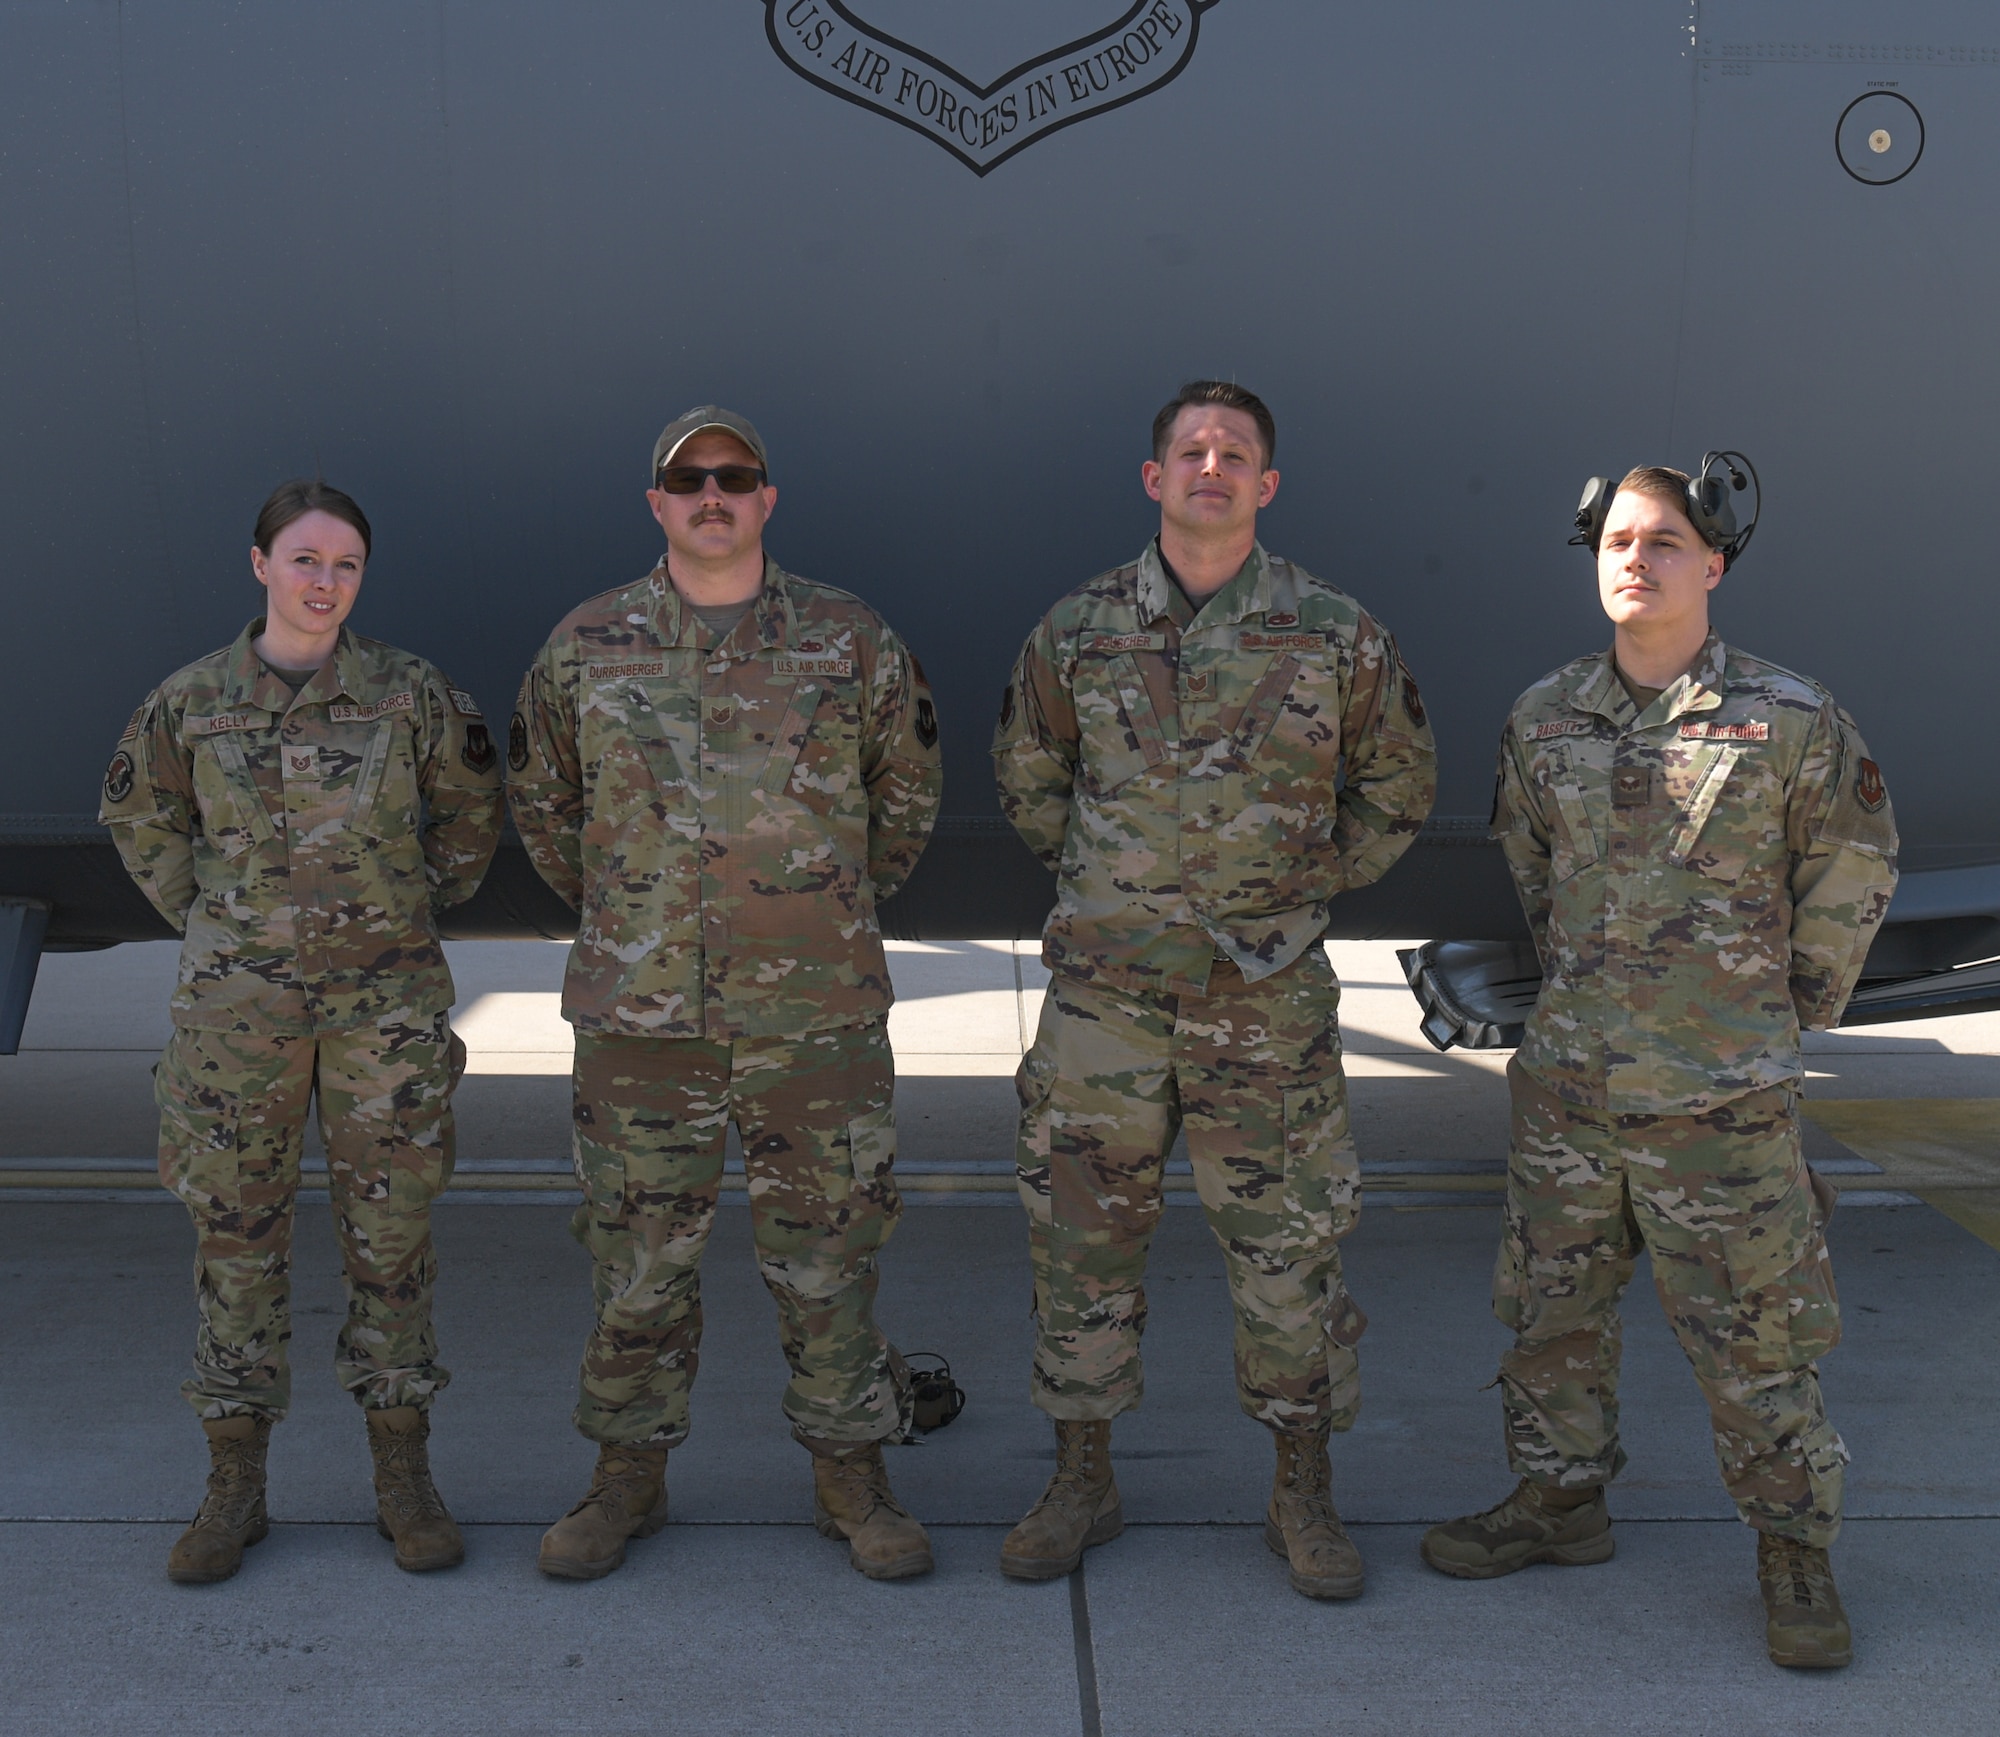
(1704, 851)
(724, 768)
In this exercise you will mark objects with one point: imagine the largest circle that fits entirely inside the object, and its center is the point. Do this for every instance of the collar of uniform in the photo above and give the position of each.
(776, 616)
(1604, 694)
(1257, 589)
(250, 684)
(1154, 589)
(673, 623)
(1707, 680)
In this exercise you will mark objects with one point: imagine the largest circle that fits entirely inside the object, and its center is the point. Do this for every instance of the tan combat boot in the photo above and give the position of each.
(852, 1500)
(627, 1498)
(1805, 1626)
(1078, 1509)
(1571, 1528)
(408, 1510)
(1301, 1524)
(233, 1515)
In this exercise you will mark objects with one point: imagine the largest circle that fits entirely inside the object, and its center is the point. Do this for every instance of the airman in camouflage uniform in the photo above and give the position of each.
(1205, 777)
(1703, 868)
(302, 843)
(725, 807)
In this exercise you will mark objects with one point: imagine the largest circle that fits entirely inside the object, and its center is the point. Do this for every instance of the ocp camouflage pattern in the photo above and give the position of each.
(233, 1109)
(1208, 780)
(817, 1119)
(1702, 879)
(1734, 1227)
(302, 846)
(725, 817)
(1252, 1072)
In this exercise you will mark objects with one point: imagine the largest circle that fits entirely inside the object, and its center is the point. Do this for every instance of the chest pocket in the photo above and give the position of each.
(1260, 711)
(789, 742)
(383, 802)
(635, 748)
(233, 815)
(1121, 731)
(1709, 849)
(1573, 841)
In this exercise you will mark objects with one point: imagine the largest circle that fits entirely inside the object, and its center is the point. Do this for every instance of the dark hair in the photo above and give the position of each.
(293, 500)
(1231, 397)
(1663, 483)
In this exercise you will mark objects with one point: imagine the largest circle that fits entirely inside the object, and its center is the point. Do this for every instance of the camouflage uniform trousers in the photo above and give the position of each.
(1734, 1224)
(1253, 1072)
(232, 1121)
(816, 1117)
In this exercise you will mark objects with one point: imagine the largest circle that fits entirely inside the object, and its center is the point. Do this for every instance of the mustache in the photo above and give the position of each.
(714, 511)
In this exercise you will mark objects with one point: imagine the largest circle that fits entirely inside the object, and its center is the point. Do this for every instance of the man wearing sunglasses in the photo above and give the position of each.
(725, 768)
(1208, 745)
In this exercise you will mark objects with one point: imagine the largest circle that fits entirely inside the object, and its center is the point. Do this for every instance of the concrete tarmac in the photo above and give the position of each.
(738, 1617)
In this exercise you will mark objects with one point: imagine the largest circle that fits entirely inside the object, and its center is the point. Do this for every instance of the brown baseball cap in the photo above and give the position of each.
(692, 422)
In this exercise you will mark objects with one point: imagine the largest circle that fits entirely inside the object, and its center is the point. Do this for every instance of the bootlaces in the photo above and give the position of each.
(1076, 1471)
(608, 1488)
(232, 1481)
(872, 1477)
(1312, 1488)
(411, 1492)
(1799, 1580)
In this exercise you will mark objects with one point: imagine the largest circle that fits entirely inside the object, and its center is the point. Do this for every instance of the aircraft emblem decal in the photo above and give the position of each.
(982, 126)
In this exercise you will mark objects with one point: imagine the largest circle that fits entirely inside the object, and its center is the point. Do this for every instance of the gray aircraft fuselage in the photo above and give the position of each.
(466, 261)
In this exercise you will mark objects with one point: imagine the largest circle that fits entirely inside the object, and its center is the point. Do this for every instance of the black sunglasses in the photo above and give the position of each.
(689, 479)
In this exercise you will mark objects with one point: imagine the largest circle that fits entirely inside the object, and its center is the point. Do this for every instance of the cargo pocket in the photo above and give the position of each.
(1345, 1323)
(1034, 1084)
(1322, 1173)
(874, 1204)
(1785, 1311)
(201, 1157)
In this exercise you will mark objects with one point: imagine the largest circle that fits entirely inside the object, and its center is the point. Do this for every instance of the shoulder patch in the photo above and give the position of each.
(132, 727)
(465, 704)
(1007, 705)
(1413, 701)
(927, 724)
(348, 713)
(1712, 730)
(1869, 790)
(1549, 728)
(118, 777)
(517, 743)
(478, 753)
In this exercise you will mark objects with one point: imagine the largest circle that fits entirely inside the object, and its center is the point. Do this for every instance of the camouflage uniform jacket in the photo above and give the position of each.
(302, 845)
(1702, 878)
(1206, 782)
(725, 818)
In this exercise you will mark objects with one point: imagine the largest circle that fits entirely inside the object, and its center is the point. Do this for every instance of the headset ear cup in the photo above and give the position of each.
(1592, 511)
(1709, 509)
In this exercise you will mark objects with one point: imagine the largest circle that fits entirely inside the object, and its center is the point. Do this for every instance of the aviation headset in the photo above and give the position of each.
(1708, 506)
